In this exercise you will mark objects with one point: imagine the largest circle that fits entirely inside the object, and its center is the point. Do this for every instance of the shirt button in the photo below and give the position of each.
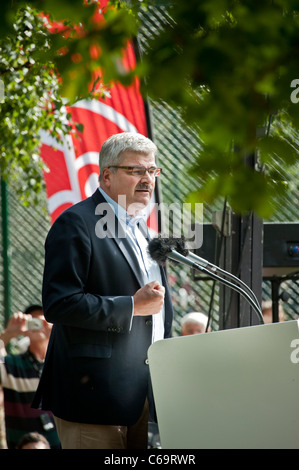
(146, 362)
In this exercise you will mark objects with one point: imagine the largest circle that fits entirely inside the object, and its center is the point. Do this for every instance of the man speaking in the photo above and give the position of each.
(108, 301)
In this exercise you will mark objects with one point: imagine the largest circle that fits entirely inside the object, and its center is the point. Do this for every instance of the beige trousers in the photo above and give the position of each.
(93, 436)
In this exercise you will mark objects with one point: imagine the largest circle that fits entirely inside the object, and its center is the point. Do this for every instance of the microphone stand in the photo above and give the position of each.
(176, 256)
(213, 268)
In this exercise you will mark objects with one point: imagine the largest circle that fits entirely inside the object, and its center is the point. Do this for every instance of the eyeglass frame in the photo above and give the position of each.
(142, 168)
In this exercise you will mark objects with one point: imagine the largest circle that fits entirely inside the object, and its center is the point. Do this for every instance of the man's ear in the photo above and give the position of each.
(106, 177)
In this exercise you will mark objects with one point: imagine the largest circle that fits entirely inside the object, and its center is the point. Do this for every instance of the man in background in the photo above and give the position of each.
(194, 323)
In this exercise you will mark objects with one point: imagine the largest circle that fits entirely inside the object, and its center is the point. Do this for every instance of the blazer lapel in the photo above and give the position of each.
(116, 233)
(128, 253)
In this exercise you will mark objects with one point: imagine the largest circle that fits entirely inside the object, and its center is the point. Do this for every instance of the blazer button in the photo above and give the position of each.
(146, 361)
(148, 322)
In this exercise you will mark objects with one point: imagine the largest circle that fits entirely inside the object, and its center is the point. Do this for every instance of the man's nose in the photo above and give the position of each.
(147, 177)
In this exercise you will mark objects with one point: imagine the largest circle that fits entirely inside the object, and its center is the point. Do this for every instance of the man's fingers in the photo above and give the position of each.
(149, 299)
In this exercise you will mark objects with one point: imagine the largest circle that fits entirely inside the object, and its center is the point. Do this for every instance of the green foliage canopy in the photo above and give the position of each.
(31, 104)
(227, 66)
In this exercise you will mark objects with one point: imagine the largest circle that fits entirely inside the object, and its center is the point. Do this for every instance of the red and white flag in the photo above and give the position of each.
(73, 165)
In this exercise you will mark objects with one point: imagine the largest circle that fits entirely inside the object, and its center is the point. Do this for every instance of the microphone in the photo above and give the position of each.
(161, 249)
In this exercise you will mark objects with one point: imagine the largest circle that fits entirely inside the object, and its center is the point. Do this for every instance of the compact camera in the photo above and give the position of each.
(34, 324)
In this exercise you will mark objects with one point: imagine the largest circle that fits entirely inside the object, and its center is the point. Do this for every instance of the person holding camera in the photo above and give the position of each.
(20, 374)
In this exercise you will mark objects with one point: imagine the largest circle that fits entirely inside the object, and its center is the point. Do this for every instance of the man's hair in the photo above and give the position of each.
(194, 318)
(112, 148)
(33, 308)
(33, 437)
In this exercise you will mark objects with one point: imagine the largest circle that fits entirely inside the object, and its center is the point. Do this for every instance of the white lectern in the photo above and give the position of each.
(228, 389)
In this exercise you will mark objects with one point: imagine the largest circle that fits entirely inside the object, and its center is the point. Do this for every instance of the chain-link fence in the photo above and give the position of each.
(28, 226)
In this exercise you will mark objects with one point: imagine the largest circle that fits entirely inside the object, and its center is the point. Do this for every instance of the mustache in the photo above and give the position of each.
(149, 187)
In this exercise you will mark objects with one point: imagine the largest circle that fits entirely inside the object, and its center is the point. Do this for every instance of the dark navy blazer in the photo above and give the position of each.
(96, 369)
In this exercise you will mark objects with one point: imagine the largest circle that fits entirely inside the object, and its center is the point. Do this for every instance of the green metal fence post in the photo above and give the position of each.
(5, 251)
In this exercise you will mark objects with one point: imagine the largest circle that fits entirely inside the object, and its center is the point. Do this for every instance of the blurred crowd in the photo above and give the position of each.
(23, 346)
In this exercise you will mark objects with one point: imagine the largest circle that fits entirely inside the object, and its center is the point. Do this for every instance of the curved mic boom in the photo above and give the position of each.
(202, 262)
(161, 249)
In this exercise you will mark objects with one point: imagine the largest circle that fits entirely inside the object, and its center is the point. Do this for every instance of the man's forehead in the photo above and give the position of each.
(137, 157)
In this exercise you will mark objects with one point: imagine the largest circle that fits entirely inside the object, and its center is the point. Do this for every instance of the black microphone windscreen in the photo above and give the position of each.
(180, 246)
(160, 247)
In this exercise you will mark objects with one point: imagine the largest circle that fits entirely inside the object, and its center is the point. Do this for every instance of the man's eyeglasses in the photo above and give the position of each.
(140, 170)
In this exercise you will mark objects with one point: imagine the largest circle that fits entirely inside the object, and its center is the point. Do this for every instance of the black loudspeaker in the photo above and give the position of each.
(280, 247)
